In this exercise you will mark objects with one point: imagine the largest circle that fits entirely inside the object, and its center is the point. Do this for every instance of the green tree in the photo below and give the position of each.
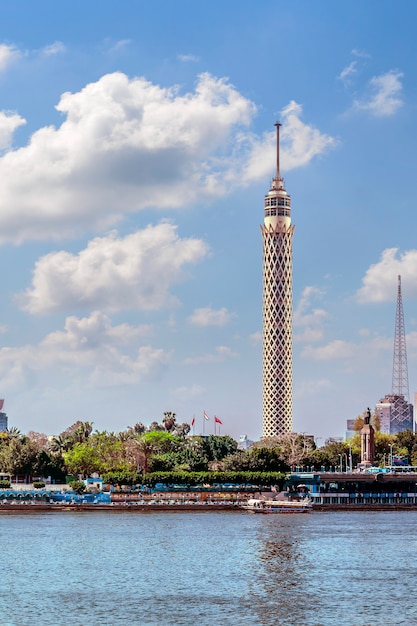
(408, 441)
(239, 461)
(82, 460)
(330, 456)
(216, 447)
(47, 464)
(18, 456)
(111, 450)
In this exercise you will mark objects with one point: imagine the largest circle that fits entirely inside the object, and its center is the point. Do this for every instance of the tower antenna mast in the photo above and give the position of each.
(399, 366)
(278, 174)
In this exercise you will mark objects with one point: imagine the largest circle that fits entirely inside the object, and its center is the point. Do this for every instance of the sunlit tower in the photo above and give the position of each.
(277, 234)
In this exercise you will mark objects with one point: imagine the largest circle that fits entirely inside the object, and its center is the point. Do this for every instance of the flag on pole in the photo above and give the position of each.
(193, 421)
(206, 417)
(216, 419)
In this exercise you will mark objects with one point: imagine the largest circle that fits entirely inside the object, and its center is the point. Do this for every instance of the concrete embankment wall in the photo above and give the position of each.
(364, 507)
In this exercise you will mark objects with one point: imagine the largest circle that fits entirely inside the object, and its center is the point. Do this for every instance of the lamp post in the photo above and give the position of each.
(350, 459)
(390, 449)
(346, 462)
(340, 462)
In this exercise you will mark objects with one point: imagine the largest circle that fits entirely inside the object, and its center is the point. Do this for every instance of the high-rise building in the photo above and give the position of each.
(277, 234)
(3, 417)
(395, 414)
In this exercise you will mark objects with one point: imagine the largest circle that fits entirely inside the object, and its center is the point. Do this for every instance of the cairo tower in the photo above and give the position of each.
(277, 234)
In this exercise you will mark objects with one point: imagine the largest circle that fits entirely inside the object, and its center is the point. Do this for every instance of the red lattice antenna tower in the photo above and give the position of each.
(399, 366)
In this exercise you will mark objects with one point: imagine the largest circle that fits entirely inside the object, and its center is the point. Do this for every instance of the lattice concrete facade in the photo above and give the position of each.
(277, 233)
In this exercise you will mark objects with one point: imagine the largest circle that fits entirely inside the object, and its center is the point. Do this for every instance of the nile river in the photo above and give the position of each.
(203, 569)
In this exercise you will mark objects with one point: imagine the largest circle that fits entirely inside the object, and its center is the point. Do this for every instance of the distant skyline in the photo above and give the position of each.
(137, 144)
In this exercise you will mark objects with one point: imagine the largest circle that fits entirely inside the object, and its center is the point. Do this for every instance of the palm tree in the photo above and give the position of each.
(13, 433)
(60, 443)
(146, 448)
(169, 420)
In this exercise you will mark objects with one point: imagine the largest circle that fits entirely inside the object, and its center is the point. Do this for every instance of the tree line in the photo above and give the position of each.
(140, 454)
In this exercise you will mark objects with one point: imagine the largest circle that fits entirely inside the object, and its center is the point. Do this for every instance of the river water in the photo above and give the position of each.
(208, 568)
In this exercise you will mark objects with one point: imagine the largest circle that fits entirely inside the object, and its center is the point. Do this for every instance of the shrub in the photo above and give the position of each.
(78, 486)
(38, 484)
(124, 477)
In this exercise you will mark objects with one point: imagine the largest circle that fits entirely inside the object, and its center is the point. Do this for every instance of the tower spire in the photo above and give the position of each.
(399, 366)
(278, 173)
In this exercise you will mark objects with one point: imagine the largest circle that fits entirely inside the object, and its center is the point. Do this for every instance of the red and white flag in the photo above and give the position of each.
(193, 421)
(206, 417)
(217, 420)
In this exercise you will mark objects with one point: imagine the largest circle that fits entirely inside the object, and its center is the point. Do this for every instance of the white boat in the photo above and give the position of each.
(278, 506)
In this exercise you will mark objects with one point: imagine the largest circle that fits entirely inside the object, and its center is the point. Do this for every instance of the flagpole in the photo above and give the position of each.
(218, 421)
(204, 419)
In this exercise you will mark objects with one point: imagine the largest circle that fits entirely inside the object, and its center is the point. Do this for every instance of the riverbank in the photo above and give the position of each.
(26, 507)
(32, 507)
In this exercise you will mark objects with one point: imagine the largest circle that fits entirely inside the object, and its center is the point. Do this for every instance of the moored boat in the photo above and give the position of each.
(278, 506)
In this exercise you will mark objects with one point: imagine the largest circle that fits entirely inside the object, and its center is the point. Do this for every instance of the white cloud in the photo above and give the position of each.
(303, 142)
(346, 74)
(114, 273)
(89, 351)
(221, 354)
(186, 58)
(127, 144)
(349, 352)
(91, 332)
(122, 44)
(124, 145)
(9, 122)
(308, 323)
(256, 338)
(210, 317)
(360, 53)
(335, 350)
(55, 48)
(299, 144)
(311, 387)
(411, 342)
(380, 281)
(385, 95)
(8, 54)
(186, 393)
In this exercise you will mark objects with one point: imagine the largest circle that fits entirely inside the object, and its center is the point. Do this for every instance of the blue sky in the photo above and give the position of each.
(137, 143)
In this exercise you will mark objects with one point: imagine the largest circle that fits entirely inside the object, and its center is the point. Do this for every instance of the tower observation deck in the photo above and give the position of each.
(277, 233)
